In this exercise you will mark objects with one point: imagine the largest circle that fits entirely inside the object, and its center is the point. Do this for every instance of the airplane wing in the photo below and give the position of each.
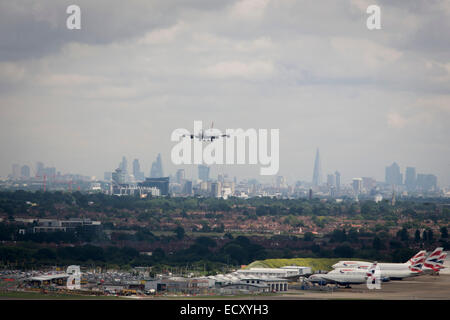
(192, 136)
(212, 138)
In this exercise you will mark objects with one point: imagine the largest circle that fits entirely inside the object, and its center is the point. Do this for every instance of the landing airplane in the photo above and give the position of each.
(204, 136)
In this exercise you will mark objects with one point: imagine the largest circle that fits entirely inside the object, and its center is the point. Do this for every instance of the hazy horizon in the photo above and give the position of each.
(79, 100)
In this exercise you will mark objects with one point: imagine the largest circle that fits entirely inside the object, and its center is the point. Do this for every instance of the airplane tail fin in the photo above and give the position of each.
(418, 256)
(433, 261)
(441, 260)
(416, 266)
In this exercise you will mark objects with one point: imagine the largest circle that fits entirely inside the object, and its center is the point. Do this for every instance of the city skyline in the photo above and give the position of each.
(393, 174)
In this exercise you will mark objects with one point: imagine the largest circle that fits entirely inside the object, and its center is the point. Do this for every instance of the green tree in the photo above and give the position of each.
(425, 236)
(236, 253)
(344, 251)
(179, 231)
(159, 254)
(206, 241)
(417, 236)
(403, 234)
(430, 235)
(444, 233)
(377, 244)
(352, 235)
(309, 236)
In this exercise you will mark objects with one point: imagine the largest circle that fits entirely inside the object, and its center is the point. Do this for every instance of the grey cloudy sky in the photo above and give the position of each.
(81, 99)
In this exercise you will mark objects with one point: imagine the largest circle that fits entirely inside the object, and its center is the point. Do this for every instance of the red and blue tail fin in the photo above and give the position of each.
(419, 255)
(417, 265)
(435, 260)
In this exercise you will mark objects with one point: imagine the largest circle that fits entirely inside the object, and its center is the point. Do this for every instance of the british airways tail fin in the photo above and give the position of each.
(433, 261)
(419, 255)
(417, 265)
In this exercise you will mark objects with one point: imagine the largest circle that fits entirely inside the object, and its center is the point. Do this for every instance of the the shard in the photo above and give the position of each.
(317, 174)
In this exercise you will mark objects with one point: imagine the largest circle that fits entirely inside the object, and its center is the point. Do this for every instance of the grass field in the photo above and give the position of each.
(314, 263)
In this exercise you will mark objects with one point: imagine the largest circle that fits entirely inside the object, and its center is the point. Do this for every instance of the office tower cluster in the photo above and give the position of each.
(408, 183)
(135, 183)
(40, 170)
(40, 177)
(413, 181)
(132, 181)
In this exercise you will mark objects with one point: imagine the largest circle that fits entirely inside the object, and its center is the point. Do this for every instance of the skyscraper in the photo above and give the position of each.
(393, 175)
(39, 169)
(368, 183)
(410, 178)
(124, 165)
(25, 171)
(119, 176)
(331, 180)
(157, 169)
(338, 181)
(15, 171)
(216, 189)
(203, 172)
(138, 174)
(180, 176)
(188, 187)
(357, 185)
(426, 182)
(317, 174)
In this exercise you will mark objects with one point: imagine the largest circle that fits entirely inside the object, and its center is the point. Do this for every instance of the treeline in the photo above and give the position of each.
(83, 255)
(234, 253)
(237, 251)
(20, 202)
(10, 232)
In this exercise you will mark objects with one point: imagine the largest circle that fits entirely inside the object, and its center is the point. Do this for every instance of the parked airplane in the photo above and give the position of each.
(366, 264)
(204, 136)
(398, 272)
(390, 271)
(343, 277)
